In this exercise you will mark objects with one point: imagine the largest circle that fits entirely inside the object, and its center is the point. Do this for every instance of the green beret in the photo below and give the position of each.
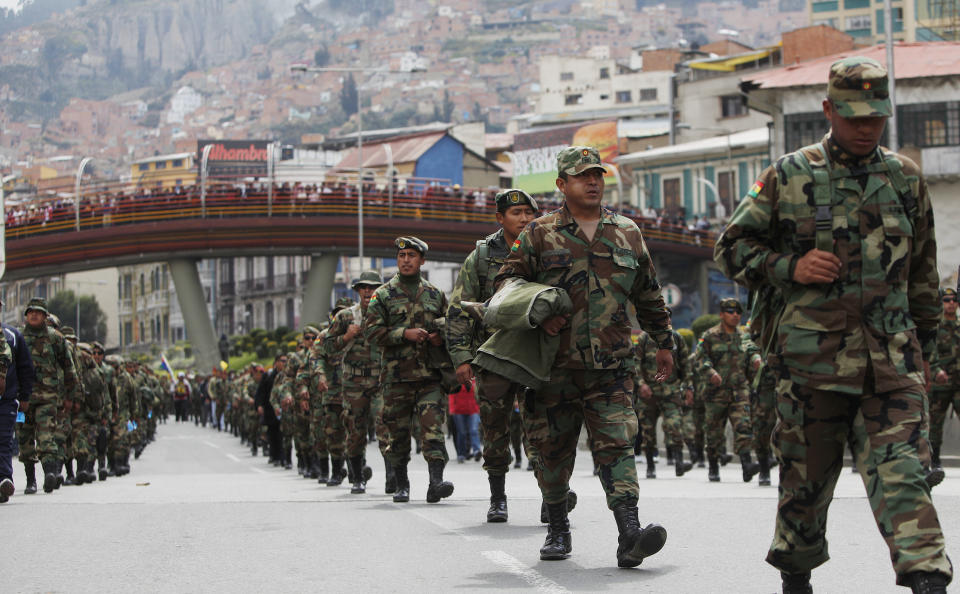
(514, 197)
(731, 303)
(412, 243)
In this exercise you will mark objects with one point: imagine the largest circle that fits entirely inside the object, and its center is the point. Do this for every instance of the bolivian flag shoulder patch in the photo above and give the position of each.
(373, 299)
(756, 189)
(515, 246)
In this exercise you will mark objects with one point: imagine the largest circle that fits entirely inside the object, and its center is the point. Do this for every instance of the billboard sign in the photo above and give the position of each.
(235, 157)
(535, 152)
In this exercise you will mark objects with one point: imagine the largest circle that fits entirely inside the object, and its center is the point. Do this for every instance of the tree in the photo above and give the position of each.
(349, 97)
(93, 322)
(321, 57)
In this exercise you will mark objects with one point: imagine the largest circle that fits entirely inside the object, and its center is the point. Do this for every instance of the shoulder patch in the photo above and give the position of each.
(515, 246)
(756, 189)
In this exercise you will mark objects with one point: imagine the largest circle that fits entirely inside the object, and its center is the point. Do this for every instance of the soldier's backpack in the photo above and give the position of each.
(767, 304)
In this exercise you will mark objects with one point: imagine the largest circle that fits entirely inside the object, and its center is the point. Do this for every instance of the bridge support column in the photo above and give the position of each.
(316, 293)
(704, 282)
(193, 304)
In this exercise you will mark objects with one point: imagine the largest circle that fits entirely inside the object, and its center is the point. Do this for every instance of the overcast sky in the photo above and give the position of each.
(8, 3)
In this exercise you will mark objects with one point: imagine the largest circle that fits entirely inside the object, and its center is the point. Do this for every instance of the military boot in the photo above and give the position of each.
(288, 458)
(651, 465)
(701, 459)
(498, 499)
(30, 469)
(102, 468)
(679, 466)
(402, 494)
(49, 476)
(935, 458)
(763, 479)
(123, 467)
(714, 472)
(6, 490)
(725, 458)
(351, 477)
(636, 543)
(438, 488)
(71, 478)
(390, 482)
(927, 582)
(314, 472)
(749, 467)
(558, 544)
(253, 447)
(571, 504)
(81, 476)
(91, 471)
(365, 471)
(796, 583)
(323, 469)
(359, 484)
(336, 472)
(933, 476)
(301, 469)
(58, 470)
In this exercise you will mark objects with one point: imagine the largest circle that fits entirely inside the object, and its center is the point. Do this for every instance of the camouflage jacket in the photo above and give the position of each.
(94, 387)
(394, 307)
(646, 354)
(600, 277)
(126, 396)
(884, 307)
(464, 334)
(731, 354)
(111, 405)
(54, 366)
(358, 357)
(948, 353)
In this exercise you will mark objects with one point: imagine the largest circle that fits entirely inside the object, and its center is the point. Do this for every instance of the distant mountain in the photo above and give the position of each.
(30, 12)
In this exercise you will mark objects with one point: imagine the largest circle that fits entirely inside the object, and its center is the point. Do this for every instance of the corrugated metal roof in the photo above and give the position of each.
(715, 145)
(405, 150)
(911, 60)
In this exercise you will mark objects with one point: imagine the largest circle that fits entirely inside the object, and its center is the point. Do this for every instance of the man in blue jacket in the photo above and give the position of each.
(20, 375)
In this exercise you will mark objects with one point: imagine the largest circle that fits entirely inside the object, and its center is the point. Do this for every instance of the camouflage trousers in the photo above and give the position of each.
(496, 396)
(763, 408)
(36, 436)
(427, 401)
(809, 441)
(662, 403)
(120, 444)
(518, 437)
(940, 402)
(288, 429)
(333, 429)
(718, 407)
(359, 394)
(320, 451)
(84, 437)
(603, 401)
(303, 436)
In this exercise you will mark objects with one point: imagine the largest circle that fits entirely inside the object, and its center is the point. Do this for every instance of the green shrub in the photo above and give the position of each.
(704, 323)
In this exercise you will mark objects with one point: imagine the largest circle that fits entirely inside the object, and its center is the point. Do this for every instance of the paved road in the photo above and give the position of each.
(199, 514)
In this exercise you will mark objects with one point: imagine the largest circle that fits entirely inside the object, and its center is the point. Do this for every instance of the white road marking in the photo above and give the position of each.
(234, 458)
(533, 577)
(212, 445)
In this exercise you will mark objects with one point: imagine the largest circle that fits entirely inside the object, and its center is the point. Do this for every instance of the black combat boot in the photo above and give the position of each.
(58, 469)
(571, 504)
(31, 472)
(390, 484)
(927, 582)
(288, 458)
(301, 468)
(636, 543)
(701, 459)
(323, 469)
(71, 478)
(763, 479)
(714, 472)
(365, 471)
(81, 476)
(351, 477)
(725, 458)
(336, 472)
(935, 458)
(253, 447)
(558, 544)
(749, 467)
(359, 484)
(314, 472)
(124, 467)
(438, 488)
(796, 583)
(651, 465)
(498, 499)
(679, 466)
(402, 494)
(49, 476)
(91, 471)
(102, 468)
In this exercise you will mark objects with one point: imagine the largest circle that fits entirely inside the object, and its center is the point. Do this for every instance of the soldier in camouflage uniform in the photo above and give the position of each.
(726, 359)
(397, 320)
(96, 399)
(298, 368)
(282, 400)
(655, 399)
(359, 360)
(334, 432)
(86, 413)
(838, 241)
(320, 371)
(56, 389)
(763, 407)
(946, 375)
(495, 394)
(602, 262)
(107, 414)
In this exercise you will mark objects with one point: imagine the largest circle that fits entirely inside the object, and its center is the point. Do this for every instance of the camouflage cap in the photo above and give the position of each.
(310, 330)
(858, 88)
(368, 278)
(115, 360)
(68, 332)
(731, 303)
(412, 243)
(574, 160)
(342, 303)
(514, 197)
(86, 348)
(98, 345)
(53, 320)
(37, 303)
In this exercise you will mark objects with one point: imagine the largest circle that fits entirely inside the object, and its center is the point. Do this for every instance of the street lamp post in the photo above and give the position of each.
(305, 68)
(76, 187)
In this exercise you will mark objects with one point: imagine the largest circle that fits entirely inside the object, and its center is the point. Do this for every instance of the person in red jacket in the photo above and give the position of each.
(466, 419)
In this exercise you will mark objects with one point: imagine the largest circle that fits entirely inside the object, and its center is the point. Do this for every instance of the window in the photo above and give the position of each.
(857, 23)
(177, 163)
(671, 195)
(648, 94)
(802, 129)
(143, 167)
(930, 124)
(731, 106)
(574, 99)
(604, 72)
(604, 97)
(161, 165)
(566, 76)
(624, 97)
(726, 188)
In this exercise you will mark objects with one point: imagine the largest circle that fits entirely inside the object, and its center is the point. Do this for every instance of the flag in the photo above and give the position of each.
(165, 365)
